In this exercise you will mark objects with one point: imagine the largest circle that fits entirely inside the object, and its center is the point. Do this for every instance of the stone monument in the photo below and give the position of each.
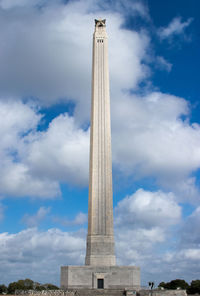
(100, 270)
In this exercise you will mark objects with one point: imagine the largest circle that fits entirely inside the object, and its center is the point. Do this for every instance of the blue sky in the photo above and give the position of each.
(45, 86)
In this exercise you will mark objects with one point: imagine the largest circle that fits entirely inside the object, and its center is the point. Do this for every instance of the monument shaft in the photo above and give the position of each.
(100, 270)
(100, 239)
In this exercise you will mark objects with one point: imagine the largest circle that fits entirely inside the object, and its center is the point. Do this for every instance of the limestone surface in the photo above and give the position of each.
(100, 240)
(114, 277)
(100, 270)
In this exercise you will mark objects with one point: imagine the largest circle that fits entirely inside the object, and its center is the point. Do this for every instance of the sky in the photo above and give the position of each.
(45, 94)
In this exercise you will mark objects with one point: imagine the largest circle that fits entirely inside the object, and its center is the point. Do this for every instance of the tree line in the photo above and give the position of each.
(26, 284)
(193, 288)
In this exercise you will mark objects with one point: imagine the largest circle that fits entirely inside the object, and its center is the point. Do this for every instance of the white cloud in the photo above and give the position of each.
(60, 153)
(80, 219)
(147, 209)
(138, 246)
(147, 233)
(51, 60)
(56, 46)
(142, 223)
(34, 220)
(162, 64)
(17, 181)
(31, 253)
(156, 141)
(135, 7)
(47, 53)
(8, 4)
(17, 120)
(175, 27)
(192, 254)
(181, 263)
(52, 55)
(24, 254)
(33, 162)
(183, 259)
(190, 232)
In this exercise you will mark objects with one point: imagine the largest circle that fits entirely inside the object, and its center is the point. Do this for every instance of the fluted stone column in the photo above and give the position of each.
(100, 239)
(100, 269)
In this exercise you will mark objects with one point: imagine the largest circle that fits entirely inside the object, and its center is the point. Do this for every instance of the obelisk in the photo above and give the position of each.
(100, 239)
(100, 270)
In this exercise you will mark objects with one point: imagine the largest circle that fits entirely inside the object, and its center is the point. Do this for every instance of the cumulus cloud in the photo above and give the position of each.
(18, 120)
(60, 153)
(135, 7)
(144, 220)
(156, 141)
(46, 54)
(148, 234)
(30, 253)
(10, 4)
(33, 162)
(190, 232)
(181, 263)
(80, 219)
(34, 220)
(24, 254)
(16, 181)
(57, 63)
(143, 233)
(51, 57)
(193, 254)
(162, 64)
(184, 257)
(175, 27)
(147, 209)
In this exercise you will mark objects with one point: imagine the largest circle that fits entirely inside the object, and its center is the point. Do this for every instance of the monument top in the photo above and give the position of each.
(100, 23)
(100, 28)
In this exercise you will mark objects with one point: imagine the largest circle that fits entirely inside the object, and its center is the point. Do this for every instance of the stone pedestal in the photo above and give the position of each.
(100, 250)
(89, 277)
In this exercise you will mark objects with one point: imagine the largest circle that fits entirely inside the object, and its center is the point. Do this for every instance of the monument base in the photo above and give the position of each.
(100, 277)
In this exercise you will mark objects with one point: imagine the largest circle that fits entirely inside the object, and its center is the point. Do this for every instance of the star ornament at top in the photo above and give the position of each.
(100, 23)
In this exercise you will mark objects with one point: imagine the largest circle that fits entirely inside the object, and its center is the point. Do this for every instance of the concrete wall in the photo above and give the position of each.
(115, 277)
(158, 292)
(45, 293)
(103, 292)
